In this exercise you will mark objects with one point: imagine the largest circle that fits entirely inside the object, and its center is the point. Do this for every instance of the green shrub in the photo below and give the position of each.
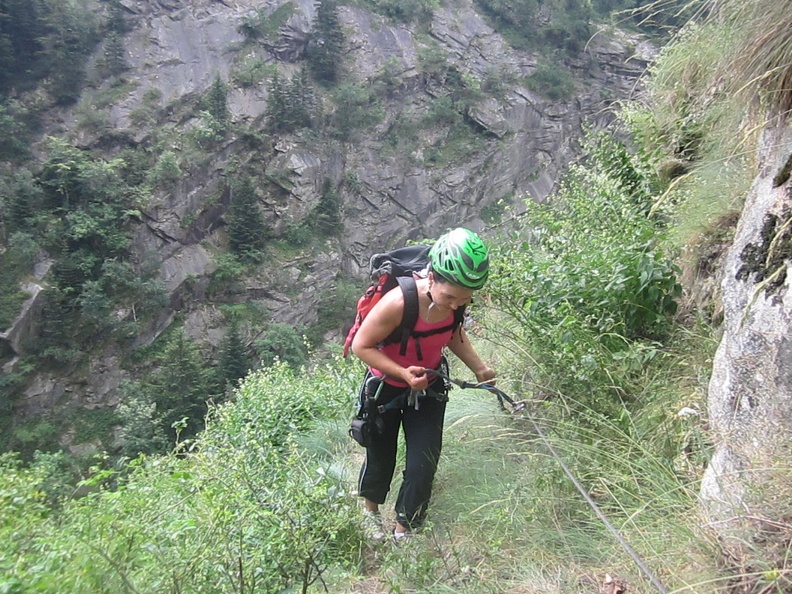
(552, 80)
(588, 280)
(266, 25)
(405, 11)
(282, 342)
(356, 108)
(251, 71)
(246, 506)
(166, 172)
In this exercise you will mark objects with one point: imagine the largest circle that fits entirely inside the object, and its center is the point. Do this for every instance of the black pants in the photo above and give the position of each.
(423, 434)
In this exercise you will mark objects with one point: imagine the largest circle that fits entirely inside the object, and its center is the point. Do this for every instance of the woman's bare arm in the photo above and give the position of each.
(380, 322)
(461, 347)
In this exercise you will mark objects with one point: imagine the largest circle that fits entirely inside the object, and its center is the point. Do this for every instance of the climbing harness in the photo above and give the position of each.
(519, 407)
(368, 422)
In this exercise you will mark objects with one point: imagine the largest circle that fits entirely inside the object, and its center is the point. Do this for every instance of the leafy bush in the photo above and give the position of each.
(266, 25)
(14, 131)
(405, 11)
(356, 108)
(166, 171)
(552, 80)
(247, 509)
(250, 71)
(589, 283)
(282, 342)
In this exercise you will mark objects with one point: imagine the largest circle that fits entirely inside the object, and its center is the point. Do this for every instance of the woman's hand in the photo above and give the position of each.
(416, 378)
(486, 375)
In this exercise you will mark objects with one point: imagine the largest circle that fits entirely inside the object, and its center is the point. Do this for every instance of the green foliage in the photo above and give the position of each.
(146, 113)
(77, 208)
(250, 71)
(11, 300)
(233, 363)
(262, 25)
(756, 67)
(15, 264)
(112, 61)
(95, 426)
(15, 131)
(34, 434)
(142, 426)
(697, 137)
(45, 40)
(299, 234)
(208, 132)
(282, 342)
(215, 101)
(328, 219)
(405, 11)
(21, 201)
(248, 509)
(72, 32)
(247, 231)
(493, 213)
(553, 80)
(226, 278)
(589, 283)
(120, 291)
(459, 142)
(357, 108)
(166, 171)
(170, 402)
(326, 44)
(336, 308)
(559, 24)
(291, 105)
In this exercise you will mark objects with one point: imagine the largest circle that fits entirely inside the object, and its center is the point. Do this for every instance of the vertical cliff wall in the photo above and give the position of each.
(750, 392)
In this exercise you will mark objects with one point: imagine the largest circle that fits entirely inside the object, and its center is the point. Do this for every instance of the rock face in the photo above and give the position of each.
(177, 48)
(749, 400)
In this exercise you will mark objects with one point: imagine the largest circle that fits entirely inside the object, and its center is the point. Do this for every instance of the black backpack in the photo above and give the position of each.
(389, 270)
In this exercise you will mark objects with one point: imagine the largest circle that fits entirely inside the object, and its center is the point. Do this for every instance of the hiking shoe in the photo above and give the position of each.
(372, 526)
(402, 537)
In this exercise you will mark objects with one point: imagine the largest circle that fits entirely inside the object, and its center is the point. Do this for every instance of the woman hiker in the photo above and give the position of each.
(458, 266)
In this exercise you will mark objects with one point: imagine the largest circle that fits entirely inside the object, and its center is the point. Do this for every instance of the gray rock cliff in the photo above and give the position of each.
(175, 51)
(750, 392)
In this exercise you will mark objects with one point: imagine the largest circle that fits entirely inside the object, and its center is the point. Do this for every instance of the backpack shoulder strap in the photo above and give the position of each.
(410, 315)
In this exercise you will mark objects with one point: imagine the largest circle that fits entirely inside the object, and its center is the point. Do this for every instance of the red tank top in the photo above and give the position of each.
(431, 348)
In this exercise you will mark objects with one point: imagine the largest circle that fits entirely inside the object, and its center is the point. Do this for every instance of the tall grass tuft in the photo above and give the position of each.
(760, 64)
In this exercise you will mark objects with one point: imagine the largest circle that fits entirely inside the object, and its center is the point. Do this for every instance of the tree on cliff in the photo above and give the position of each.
(246, 227)
(326, 44)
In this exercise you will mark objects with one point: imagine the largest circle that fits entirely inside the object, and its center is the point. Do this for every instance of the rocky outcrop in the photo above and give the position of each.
(25, 325)
(749, 403)
(177, 48)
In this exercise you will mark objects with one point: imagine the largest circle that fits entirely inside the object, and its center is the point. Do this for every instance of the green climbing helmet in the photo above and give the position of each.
(461, 257)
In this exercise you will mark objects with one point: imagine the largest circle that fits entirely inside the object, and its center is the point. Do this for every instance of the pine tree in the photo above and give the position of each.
(276, 104)
(114, 57)
(326, 44)
(21, 29)
(328, 212)
(246, 227)
(71, 32)
(233, 363)
(217, 101)
(182, 386)
(299, 101)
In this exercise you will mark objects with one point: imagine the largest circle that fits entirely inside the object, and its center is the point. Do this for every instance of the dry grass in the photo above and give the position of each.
(760, 66)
